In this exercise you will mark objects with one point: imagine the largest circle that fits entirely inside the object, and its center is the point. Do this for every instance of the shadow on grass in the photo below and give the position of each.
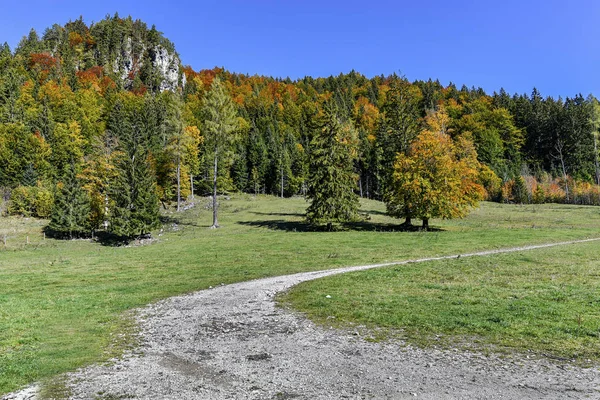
(368, 226)
(172, 220)
(375, 212)
(359, 226)
(281, 225)
(278, 214)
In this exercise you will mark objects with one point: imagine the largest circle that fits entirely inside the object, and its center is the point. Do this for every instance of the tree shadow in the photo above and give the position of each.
(172, 220)
(65, 235)
(281, 225)
(278, 214)
(358, 226)
(368, 226)
(111, 240)
(375, 212)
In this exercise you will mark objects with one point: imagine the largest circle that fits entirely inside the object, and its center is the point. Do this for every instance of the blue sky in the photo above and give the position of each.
(553, 45)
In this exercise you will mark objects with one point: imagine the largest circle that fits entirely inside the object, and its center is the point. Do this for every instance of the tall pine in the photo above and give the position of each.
(220, 125)
(134, 210)
(71, 211)
(332, 180)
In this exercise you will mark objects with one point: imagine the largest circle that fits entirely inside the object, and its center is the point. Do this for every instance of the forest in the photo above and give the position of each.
(102, 125)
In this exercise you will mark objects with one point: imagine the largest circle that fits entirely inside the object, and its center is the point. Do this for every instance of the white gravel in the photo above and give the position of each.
(231, 342)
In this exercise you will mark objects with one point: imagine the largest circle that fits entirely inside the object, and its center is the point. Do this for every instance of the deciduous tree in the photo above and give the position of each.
(437, 178)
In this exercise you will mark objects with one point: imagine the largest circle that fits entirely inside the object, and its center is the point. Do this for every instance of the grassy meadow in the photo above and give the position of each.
(63, 303)
(543, 301)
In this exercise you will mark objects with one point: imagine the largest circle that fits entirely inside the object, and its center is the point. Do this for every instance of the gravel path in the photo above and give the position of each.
(231, 342)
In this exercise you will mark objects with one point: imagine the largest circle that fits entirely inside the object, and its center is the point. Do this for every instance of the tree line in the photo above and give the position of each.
(90, 138)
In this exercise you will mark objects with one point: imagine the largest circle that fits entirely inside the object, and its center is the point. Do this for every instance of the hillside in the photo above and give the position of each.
(127, 51)
(75, 95)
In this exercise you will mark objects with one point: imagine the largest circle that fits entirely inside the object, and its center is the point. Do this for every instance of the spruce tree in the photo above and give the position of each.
(30, 176)
(134, 210)
(519, 191)
(331, 177)
(398, 127)
(71, 211)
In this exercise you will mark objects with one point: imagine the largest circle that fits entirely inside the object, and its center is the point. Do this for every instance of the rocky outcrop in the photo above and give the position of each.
(166, 65)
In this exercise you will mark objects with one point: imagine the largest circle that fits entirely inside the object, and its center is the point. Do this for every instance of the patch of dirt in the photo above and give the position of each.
(232, 342)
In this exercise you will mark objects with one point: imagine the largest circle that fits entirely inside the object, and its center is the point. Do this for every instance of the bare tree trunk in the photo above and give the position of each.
(192, 185)
(215, 222)
(425, 224)
(106, 212)
(281, 172)
(178, 184)
(596, 158)
(564, 169)
(360, 185)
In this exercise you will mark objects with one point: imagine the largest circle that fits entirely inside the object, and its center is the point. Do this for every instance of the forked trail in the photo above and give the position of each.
(232, 342)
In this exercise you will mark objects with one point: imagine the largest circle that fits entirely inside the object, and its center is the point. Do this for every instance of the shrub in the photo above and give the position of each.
(31, 201)
(21, 201)
(491, 183)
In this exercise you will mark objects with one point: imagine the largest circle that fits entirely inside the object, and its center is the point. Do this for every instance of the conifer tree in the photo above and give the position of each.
(519, 191)
(134, 199)
(71, 211)
(331, 177)
(398, 128)
(220, 124)
(178, 142)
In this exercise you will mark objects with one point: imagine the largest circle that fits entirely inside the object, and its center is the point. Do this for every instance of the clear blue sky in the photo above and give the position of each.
(552, 44)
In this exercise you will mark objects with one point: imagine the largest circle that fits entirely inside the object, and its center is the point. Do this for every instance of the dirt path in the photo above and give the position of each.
(231, 342)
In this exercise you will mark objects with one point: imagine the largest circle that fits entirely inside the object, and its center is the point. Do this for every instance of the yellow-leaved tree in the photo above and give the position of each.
(437, 177)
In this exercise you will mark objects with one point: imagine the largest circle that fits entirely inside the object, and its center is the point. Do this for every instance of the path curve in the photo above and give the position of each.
(231, 342)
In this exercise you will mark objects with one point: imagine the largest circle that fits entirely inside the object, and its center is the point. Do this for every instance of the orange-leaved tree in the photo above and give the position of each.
(436, 178)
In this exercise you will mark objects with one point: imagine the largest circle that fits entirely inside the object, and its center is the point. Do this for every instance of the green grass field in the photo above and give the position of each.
(63, 303)
(544, 301)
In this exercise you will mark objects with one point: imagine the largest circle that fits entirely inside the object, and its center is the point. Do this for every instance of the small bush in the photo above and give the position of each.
(491, 183)
(31, 201)
(43, 202)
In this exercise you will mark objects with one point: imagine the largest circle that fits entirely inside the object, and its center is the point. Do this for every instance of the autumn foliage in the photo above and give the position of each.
(428, 150)
(437, 178)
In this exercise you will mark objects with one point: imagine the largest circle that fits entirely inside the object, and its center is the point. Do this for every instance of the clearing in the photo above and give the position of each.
(63, 303)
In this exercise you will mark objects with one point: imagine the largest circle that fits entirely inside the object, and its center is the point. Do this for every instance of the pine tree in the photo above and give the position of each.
(519, 191)
(220, 124)
(399, 127)
(134, 210)
(178, 142)
(30, 176)
(331, 178)
(71, 211)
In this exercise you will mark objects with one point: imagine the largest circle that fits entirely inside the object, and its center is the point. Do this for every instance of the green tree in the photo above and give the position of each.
(331, 176)
(595, 123)
(398, 128)
(220, 125)
(519, 191)
(71, 211)
(437, 178)
(133, 194)
(178, 143)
